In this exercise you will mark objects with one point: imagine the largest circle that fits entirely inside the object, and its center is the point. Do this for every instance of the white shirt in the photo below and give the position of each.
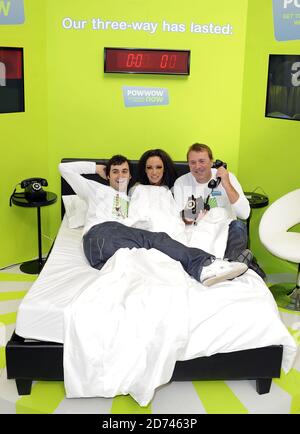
(186, 186)
(104, 203)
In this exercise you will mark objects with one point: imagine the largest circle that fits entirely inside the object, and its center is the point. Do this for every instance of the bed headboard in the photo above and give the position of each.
(181, 168)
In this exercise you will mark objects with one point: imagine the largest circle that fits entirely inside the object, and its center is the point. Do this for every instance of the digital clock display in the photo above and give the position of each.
(146, 61)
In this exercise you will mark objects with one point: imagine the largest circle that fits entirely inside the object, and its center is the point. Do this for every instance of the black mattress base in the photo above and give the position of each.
(31, 361)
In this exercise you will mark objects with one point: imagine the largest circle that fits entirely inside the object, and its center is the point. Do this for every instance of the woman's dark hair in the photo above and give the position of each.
(170, 174)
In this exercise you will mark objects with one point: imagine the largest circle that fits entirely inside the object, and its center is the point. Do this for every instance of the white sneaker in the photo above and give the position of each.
(220, 270)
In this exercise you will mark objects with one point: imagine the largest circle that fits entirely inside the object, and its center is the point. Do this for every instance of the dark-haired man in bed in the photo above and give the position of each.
(108, 227)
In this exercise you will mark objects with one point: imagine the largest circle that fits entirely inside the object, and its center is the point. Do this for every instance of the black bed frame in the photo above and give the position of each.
(29, 361)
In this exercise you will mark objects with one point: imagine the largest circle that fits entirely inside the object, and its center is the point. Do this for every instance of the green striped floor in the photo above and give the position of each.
(213, 397)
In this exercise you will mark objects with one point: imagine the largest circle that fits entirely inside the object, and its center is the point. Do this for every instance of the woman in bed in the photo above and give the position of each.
(156, 168)
(151, 197)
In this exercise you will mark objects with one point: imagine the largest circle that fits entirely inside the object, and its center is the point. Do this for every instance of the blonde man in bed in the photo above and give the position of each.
(210, 186)
(108, 227)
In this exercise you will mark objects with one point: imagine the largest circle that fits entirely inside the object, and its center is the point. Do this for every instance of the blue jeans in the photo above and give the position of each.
(237, 242)
(237, 239)
(104, 239)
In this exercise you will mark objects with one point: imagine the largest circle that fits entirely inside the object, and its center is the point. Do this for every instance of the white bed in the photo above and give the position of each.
(123, 328)
(241, 314)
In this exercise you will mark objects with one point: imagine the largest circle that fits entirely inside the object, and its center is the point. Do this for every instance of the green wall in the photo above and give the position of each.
(86, 112)
(23, 137)
(74, 110)
(269, 148)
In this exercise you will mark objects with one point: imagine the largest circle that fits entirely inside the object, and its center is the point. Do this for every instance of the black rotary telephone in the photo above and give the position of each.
(34, 189)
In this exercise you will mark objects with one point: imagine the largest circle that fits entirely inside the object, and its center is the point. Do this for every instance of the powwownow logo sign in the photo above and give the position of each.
(145, 96)
(286, 19)
(12, 12)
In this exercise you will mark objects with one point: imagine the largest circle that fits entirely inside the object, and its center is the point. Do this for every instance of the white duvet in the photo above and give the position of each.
(124, 332)
(155, 209)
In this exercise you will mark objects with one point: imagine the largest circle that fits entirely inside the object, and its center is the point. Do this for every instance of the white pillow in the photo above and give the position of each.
(76, 209)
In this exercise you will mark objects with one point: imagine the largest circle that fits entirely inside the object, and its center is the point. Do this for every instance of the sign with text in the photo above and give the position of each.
(145, 96)
(12, 12)
(286, 19)
(101, 24)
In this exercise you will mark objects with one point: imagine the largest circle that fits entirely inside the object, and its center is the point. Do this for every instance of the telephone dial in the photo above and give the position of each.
(34, 189)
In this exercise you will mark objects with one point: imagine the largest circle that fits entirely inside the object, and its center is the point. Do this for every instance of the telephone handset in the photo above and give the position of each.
(34, 189)
(213, 183)
(37, 183)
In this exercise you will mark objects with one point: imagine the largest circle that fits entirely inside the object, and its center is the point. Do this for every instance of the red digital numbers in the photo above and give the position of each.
(147, 61)
(134, 60)
(168, 61)
(165, 61)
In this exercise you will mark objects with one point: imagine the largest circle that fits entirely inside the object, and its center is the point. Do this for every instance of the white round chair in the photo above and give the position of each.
(282, 215)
